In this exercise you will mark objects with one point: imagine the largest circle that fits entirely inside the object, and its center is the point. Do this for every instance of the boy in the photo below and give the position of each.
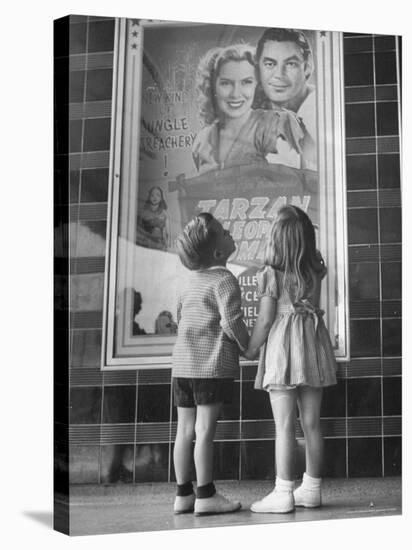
(205, 359)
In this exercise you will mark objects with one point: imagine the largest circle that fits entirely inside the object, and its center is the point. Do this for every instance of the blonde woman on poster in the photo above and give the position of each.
(233, 132)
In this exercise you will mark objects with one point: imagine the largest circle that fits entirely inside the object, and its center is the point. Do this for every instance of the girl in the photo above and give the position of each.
(297, 360)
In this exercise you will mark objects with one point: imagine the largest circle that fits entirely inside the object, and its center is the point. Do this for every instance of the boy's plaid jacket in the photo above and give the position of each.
(211, 329)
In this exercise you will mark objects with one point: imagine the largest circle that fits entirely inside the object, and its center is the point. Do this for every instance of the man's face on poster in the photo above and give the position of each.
(235, 88)
(283, 73)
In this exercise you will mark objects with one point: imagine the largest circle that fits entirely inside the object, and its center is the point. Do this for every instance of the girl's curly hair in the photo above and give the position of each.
(208, 70)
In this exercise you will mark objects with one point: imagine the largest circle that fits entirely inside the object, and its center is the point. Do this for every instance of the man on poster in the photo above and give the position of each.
(285, 64)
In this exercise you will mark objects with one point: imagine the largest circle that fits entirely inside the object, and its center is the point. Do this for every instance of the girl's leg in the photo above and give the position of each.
(182, 453)
(281, 500)
(309, 402)
(283, 404)
(205, 428)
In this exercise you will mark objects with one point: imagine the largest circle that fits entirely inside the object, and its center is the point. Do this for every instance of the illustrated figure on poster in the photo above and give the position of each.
(233, 132)
(285, 63)
(296, 359)
(165, 323)
(153, 229)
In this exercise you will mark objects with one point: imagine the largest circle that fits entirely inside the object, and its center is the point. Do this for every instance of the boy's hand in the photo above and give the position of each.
(251, 353)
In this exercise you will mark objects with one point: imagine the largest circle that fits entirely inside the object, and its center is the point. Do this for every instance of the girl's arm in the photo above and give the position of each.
(264, 322)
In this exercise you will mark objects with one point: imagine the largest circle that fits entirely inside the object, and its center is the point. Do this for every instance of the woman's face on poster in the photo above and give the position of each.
(283, 71)
(155, 197)
(235, 88)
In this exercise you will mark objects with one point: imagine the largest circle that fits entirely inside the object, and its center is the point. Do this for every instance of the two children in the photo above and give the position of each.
(296, 356)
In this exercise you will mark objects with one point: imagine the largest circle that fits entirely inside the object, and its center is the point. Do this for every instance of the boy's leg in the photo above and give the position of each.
(182, 457)
(208, 501)
(182, 452)
(205, 428)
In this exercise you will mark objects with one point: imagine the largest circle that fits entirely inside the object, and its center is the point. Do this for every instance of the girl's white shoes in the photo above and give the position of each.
(283, 499)
(276, 502)
(308, 494)
(279, 501)
(184, 505)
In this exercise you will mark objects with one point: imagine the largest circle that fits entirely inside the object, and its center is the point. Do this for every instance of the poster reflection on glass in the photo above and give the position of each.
(232, 120)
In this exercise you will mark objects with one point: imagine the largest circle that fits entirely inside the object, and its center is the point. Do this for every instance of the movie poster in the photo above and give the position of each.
(236, 121)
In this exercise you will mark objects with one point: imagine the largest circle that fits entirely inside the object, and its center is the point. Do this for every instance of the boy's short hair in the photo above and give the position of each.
(195, 246)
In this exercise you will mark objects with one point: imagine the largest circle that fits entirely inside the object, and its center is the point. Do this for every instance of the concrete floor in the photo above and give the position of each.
(148, 506)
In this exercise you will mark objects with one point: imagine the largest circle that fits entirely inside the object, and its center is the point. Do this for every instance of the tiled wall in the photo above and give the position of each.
(121, 425)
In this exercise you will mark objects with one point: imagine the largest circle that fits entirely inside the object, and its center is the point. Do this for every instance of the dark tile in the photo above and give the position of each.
(231, 411)
(334, 400)
(392, 337)
(358, 69)
(393, 456)
(334, 458)
(357, 43)
(391, 280)
(86, 348)
(226, 457)
(392, 396)
(384, 43)
(385, 67)
(391, 225)
(117, 463)
(101, 36)
(94, 185)
(76, 86)
(361, 172)
(75, 136)
(249, 372)
(99, 84)
(364, 281)
(60, 466)
(257, 459)
(389, 171)
(152, 462)
(360, 120)
(85, 405)
(365, 457)
(119, 404)
(363, 226)
(364, 397)
(387, 118)
(255, 403)
(153, 403)
(78, 34)
(74, 180)
(84, 464)
(96, 134)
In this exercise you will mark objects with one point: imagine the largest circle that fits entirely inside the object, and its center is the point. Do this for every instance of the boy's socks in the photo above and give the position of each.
(206, 491)
(185, 489)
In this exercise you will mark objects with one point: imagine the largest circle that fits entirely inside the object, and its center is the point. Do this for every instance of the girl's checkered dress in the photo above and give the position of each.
(298, 350)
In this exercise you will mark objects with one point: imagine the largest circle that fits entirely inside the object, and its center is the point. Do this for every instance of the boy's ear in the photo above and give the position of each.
(217, 254)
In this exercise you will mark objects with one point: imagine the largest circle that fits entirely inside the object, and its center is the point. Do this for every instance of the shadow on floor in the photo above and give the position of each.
(44, 518)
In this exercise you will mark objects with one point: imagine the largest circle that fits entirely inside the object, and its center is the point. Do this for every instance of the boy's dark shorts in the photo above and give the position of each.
(189, 392)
